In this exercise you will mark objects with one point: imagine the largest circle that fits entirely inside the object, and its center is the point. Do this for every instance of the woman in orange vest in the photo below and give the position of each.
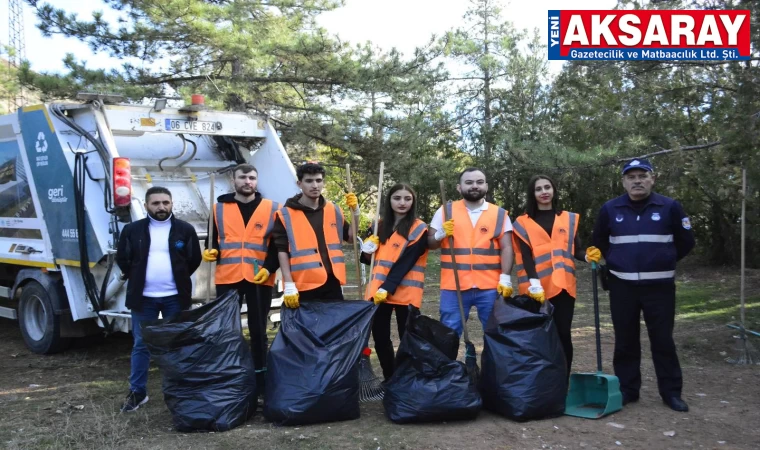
(398, 275)
(546, 246)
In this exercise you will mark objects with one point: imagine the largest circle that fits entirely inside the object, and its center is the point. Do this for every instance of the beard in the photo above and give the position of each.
(473, 196)
(160, 216)
(245, 190)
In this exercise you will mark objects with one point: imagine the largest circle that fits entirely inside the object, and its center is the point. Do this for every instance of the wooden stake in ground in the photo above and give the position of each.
(210, 245)
(355, 227)
(377, 221)
(742, 257)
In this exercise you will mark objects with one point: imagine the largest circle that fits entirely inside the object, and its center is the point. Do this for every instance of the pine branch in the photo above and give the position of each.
(666, 151)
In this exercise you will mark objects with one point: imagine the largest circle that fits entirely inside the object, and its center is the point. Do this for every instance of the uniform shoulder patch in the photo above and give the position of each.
(686, 223)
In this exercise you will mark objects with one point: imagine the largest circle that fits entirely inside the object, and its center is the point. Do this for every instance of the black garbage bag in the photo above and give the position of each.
(209, 381)
(523, 376)
(525, 303)
(313, 364)
(429, 384)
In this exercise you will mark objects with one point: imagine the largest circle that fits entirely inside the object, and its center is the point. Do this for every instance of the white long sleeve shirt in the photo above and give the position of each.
(159, 279)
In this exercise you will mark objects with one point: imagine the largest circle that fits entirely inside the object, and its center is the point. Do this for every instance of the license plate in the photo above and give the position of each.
(190, 126)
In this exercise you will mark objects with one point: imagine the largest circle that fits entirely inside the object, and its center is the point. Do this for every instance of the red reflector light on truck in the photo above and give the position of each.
(122, 182)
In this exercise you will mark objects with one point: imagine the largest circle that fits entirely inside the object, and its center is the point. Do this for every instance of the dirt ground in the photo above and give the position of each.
(72, 400)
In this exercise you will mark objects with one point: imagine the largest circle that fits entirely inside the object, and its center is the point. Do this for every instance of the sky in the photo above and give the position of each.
(403, 24)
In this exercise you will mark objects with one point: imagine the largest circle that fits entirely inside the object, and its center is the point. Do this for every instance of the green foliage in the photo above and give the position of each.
(479, 95)
(643, 107)
(8, 80)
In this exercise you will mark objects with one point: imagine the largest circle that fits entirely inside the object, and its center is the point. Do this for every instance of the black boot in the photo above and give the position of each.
(386, 357)
(676, 404)
(261, 385)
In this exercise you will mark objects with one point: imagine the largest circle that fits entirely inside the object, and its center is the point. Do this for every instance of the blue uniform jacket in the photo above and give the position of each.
(643, 247)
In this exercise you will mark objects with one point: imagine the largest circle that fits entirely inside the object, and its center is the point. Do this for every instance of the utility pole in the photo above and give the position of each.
(18, 49)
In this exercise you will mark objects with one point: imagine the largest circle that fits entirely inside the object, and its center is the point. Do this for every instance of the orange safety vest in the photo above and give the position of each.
(305, 260)
(477, 249)
(553, 255)
(240, 245)
(411, 286)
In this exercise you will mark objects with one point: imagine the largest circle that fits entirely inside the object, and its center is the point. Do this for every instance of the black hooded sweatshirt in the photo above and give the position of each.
(316, 220)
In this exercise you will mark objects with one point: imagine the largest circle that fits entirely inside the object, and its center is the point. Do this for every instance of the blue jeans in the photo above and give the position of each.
(481, 299)
(151, 306)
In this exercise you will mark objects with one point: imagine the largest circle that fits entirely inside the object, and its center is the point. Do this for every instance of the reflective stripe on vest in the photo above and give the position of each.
(552, 255)
(417, 284)
(241, 246)
(476, 248)
(520, 230)
(306, 264)
(410, 289)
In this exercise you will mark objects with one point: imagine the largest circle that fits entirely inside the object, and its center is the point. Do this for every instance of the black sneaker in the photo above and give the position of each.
(134, 401)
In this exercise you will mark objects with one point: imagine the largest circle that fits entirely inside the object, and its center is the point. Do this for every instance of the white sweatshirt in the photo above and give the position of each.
(159, 279)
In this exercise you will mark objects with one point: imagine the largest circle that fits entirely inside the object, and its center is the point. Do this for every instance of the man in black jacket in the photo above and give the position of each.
(642, 236)
(157, 255)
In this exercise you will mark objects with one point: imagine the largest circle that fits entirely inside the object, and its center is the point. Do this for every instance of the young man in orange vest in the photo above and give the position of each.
(244, 222)
(482, 246)
(308, 234)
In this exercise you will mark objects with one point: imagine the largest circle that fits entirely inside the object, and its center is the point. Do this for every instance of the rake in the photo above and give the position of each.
(746, 353)
(470, 355)
(371, 385)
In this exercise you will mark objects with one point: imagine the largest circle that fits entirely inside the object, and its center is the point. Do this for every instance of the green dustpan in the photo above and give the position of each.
(594, 395)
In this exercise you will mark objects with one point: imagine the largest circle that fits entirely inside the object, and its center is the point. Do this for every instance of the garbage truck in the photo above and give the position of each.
(73, 174)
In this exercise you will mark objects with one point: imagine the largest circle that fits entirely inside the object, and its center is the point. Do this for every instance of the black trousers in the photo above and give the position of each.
(381, 333)
(564, 308)
(331, 290)
(658, 302)
(258, 299)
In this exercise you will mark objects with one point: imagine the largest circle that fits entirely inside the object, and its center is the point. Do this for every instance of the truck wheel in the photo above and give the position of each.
(40, 326)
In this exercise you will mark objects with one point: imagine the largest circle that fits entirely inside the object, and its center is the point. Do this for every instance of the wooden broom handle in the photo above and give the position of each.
(355, 227)
(211, 179)
(377, 219)
(454, 263)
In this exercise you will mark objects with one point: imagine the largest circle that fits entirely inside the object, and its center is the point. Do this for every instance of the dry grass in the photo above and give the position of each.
(75, 420)
(40, 396)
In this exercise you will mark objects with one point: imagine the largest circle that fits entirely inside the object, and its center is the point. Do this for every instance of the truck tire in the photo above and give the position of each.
(40, 325)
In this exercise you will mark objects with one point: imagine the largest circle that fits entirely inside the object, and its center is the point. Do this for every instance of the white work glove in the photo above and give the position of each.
(505, 286)
(290, 295)
(369, 245)
(536, 291)
(446, 230)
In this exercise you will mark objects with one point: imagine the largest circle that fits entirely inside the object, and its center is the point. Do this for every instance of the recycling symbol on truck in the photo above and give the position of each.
(41, 144)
